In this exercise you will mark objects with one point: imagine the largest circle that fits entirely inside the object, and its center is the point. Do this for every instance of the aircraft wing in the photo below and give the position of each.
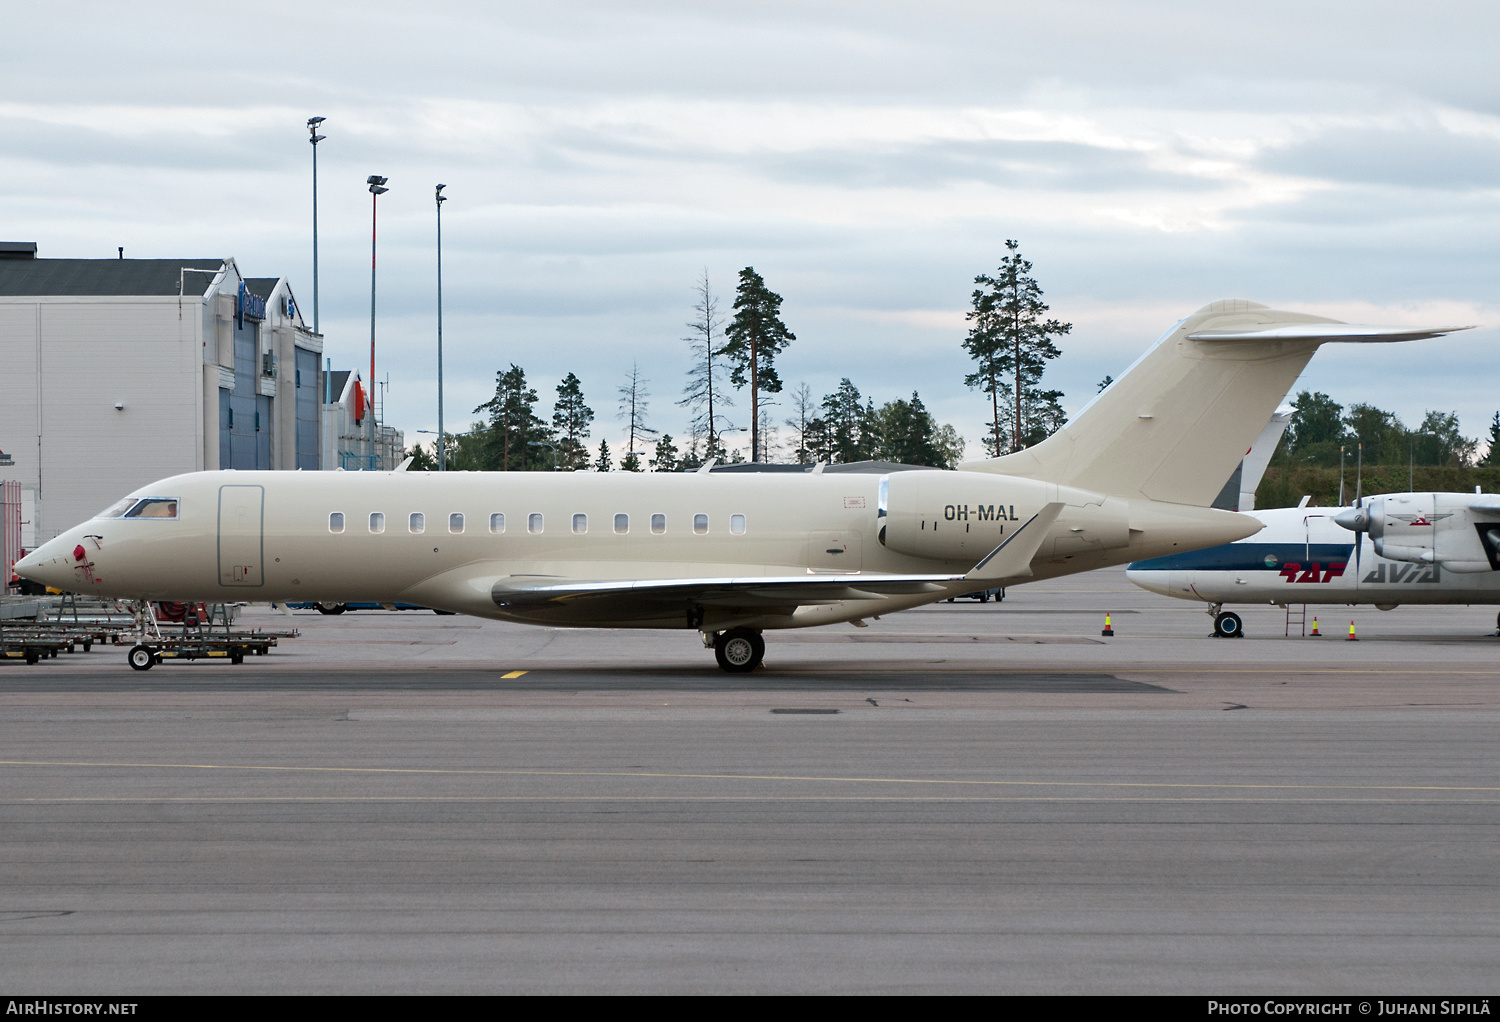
(1487, 504)
(535, 591)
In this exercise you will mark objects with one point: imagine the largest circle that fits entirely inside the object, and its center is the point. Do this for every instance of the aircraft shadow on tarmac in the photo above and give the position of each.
(224, 677)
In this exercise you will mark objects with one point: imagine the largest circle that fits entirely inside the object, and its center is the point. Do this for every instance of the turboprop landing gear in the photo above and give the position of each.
(1228, 626)
(739, 650)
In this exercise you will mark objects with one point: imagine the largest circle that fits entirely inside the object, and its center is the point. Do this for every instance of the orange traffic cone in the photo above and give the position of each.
(1109, 630)
(1352, 636)
(1315, 632)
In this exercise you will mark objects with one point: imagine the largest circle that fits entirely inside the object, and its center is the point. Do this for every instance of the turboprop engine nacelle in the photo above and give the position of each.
(964, 515)
(1459, 531)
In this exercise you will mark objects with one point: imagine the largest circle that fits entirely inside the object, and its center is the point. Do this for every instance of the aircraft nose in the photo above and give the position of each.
(50, 564)
(1356, 519)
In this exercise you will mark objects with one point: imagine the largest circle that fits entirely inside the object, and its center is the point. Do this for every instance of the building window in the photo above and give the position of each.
(700, 524)
(497, 523)
(455, 523)
(622, 524)
(417, 522)
(534, 522)
(658, 524)
(580, 524)
(377, 521)
(736, 525)
(336, 521)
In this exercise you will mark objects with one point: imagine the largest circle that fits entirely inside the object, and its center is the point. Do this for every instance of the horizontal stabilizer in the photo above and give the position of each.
(1012, 558)
(1325, 333)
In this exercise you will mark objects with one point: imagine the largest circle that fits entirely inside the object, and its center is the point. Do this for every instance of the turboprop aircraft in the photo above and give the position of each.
(1425, 548)
(729, 555)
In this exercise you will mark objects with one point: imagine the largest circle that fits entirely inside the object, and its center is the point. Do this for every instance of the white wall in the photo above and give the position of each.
(96, 352)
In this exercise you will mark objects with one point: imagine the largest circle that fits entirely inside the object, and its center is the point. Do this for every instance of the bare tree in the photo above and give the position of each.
(804, 423)
(633, 398)
(704, 396)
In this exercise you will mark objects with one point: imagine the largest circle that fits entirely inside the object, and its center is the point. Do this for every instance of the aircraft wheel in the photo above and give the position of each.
(1229, 626)
(141, 657)
(984, 597)
(331, 608)
(739, 650)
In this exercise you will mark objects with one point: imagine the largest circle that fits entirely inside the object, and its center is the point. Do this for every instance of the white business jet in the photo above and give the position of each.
(729, 555)
(1424, 548)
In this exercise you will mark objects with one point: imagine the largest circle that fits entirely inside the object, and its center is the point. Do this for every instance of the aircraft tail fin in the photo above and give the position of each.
(1176, 424)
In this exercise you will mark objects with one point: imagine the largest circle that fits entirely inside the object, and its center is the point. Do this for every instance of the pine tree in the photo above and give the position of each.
(756, 336)
(513, 425)
(848, 426)
(570, 423)
(604, 464)
(1492, 459)
(1012, 345)
(666, 455)
(704, 396)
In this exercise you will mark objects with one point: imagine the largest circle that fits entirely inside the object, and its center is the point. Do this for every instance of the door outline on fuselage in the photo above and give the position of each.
(242, 559)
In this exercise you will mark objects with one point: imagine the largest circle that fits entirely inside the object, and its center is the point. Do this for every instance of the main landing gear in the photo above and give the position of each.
(1227, 625)
(739, 650)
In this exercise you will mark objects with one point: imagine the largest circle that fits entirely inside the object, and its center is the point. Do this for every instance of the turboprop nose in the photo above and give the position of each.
(1356, 519)
(1153, 581)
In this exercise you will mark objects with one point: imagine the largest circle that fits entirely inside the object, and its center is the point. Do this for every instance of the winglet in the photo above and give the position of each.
(404, 465)
(1012, 558)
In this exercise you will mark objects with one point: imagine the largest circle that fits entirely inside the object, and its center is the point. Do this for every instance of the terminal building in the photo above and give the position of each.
(117, 372)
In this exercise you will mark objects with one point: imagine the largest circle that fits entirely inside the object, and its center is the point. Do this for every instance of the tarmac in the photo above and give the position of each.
(966, 798)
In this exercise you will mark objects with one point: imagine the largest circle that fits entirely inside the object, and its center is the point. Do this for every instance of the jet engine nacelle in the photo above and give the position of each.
(964, 515)
(1460, 532)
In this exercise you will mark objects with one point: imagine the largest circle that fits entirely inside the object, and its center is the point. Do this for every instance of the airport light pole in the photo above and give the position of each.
(377, 188)
(730, 429)
(312, 130)
(442, 460)
(1411, 448)
(539, 443)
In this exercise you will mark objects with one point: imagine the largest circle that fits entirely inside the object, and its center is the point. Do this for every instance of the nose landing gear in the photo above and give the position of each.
(1227, 625)
(739, 650)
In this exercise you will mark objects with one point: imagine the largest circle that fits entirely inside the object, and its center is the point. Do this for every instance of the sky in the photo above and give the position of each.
(867, 159)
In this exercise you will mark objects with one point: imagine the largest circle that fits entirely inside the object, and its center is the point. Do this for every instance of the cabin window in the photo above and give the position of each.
(580, 524)
(658, 524)
(377, 521)
(700, 524)
(622, 524)
(417, 522)
(455, 523)
(497, 523)
(534, 522)
(336, 521)
(736, 525)
(154, 507)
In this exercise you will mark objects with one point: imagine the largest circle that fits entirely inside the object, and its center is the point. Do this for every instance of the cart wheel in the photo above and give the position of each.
(88, 644)
(32, 656)
(141, 657)
(237, 656)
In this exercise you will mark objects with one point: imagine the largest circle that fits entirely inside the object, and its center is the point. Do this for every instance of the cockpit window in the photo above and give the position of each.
(154, 507)
(118, 509)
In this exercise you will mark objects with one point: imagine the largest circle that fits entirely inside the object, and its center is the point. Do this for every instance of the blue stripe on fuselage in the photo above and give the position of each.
(1248, 557)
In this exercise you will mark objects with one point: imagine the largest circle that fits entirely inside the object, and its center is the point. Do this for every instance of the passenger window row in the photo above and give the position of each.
(416, 523)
